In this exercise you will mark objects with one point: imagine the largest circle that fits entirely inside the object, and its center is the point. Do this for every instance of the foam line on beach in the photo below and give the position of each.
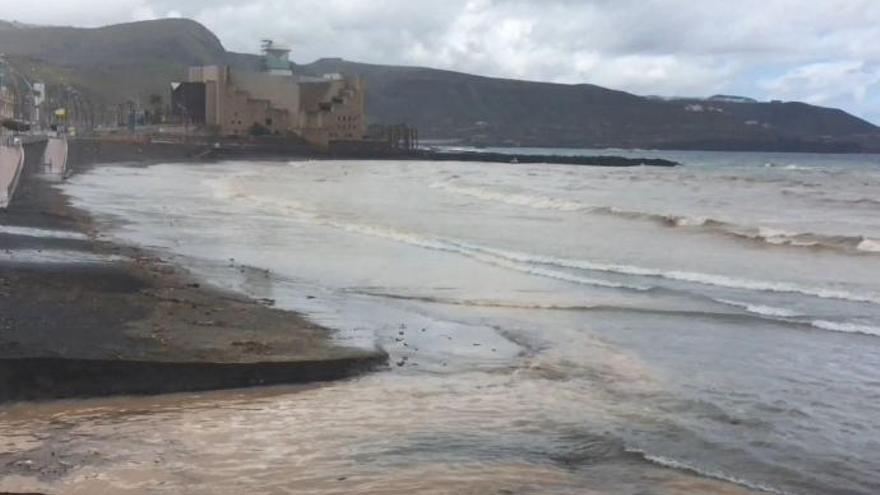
(854, 244)
(42, 233)
(685, 276)
(668, 462)
(846, 327)
(542, 265)
(53, 256)
(297, 210)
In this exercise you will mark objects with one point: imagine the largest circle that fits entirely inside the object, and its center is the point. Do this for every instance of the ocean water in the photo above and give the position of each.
(712, 328)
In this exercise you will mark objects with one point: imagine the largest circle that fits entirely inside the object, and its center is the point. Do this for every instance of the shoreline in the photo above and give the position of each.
(83, 317)
(176, 304)
(205, 149)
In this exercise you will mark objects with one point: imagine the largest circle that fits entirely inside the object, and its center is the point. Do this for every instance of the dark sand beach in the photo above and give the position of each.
(86, 317)
(552, 329)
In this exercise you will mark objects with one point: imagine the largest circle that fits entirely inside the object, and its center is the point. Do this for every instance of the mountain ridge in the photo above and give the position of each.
(487, 110)
(122, 62)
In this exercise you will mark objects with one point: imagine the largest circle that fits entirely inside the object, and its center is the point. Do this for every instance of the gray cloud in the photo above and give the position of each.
(822, 51)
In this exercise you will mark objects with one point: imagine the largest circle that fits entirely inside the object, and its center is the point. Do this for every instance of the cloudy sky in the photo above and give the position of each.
(825, 52)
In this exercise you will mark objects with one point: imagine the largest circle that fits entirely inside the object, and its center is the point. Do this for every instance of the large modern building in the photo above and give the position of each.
(235, 102)
(7, 103)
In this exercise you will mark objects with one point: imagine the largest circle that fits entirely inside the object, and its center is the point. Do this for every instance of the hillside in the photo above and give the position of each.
(485, 110)
(131, 61)
(115, 63)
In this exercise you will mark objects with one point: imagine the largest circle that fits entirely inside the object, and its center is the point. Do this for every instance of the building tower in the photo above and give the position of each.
(276, 59)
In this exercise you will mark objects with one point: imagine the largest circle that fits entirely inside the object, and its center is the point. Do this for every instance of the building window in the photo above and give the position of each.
(268, 122)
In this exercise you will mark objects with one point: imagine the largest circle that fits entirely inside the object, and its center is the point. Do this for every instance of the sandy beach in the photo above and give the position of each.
(83, 316)
(549, 328)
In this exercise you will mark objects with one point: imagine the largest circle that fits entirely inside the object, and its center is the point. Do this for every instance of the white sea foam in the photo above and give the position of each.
(486, 257)
(782, 237)
(846, 327)
(773, 236)
(294, 209)
(790, 166)
(42, 233)
(531, 263)
(773, 312)
(546, 203)
(683, 221)
(231, 190)
(515, 199)
(692, 277)
(52, 256)
(869, 246)
(762, 310)
(527, 263)
(706, 473)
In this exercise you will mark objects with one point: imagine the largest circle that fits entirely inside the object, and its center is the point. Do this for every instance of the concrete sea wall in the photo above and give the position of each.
(11, 164)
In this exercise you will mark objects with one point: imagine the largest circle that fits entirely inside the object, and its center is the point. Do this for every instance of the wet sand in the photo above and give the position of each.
(207, 444)
(80, 316)
(513, 427)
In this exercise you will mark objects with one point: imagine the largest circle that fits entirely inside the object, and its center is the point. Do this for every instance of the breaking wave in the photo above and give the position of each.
(846, 327)
(793, 167)
(776, 237)
(684, 276)
(789, 316)
(549, 266)
(543, 266)
(869, 246)
(293, 208)
(705, 473)
(762, 310)
(768, 313)
(515, 199)
(843, 201)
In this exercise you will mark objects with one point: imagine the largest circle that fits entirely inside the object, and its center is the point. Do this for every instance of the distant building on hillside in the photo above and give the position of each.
(234, 102)
(7, 95)
(7, 103)
(40, 98)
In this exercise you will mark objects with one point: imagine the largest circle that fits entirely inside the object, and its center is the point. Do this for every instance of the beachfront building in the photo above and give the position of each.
(7, 103)
(7, 95)
(273, 101)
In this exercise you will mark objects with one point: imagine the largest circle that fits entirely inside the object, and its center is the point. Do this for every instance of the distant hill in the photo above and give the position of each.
(113, 63)
(446, 104)
(15, 25)
(131, 61)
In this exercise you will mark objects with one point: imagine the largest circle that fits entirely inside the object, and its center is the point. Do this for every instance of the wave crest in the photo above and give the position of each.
(542, 265)
(705, 473)
(853, 244)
